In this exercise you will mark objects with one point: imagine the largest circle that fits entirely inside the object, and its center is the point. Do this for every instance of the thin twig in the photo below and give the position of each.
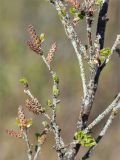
(103, 114)
(37, 153)
(59, 141)
(117, 41)
(29, 151)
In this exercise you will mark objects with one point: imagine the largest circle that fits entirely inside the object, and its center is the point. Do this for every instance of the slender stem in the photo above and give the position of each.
(82, 72)
(29, 151)
(59, 141)
(103, 114)
(37, 153)
(117, 41)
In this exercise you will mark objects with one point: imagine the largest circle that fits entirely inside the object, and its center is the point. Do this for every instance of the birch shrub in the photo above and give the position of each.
(70, 13)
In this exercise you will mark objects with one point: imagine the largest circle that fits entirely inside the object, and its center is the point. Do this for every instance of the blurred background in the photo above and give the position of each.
(16, 61)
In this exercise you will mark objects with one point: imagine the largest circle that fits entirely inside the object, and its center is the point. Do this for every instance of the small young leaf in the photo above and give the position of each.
(56, 91)
(49, 103)
(60, 14)
(63, 11)
(72, 11)
(102, 58)
(84, 139)
(105, 52)
(56, 78)
(90, 143)
(42, 37)
(24, 81)
(29, 123)
(99, 2)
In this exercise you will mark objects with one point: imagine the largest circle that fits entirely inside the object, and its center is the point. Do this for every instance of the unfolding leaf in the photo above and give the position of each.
(42, 37)
(49, 103)
(105, 52)
(24, 81)
(56, 91)
(72, 10)
(99, 2)
(56, 78)
(84, 139)
(63, 11)
(29, 123)
(45, 124)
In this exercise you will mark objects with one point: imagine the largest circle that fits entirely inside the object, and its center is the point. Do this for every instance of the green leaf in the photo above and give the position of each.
(42, 37)
(60, 14)
(105, 52)
(29, 123)
(102, 58)
(49, 103)
(84, 139)
(56, 91)
(90, 143)
(63, 11)
(56, 78)
(99, 2)
(24, 81)
(72, 11)
(79, 135)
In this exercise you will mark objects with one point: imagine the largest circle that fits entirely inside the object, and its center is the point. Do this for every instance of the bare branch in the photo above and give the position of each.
(37, 153)
(102, 115)
(102, 19)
